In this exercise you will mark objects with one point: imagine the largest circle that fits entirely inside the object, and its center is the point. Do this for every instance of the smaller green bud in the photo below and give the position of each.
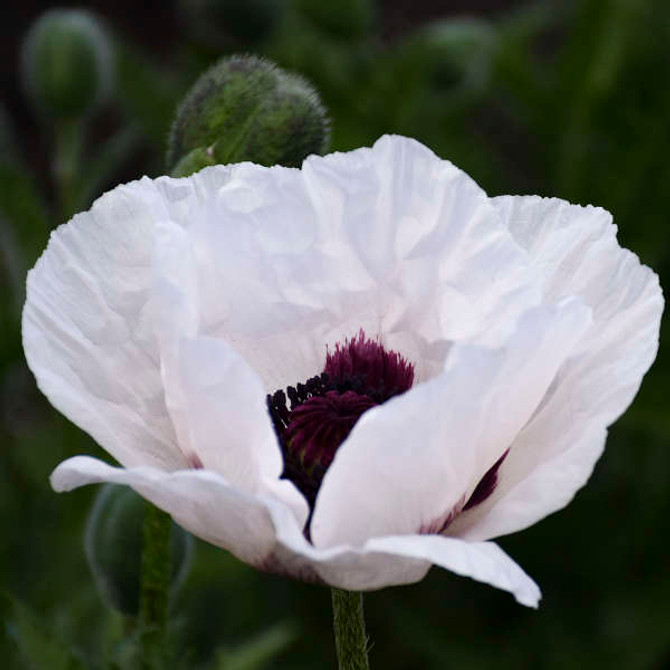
(456, 55)
(67, 64)
(247, 109)
(222, 23)
(113, 544)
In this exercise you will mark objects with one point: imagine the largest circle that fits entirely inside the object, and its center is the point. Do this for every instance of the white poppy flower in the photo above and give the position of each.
(459, 359)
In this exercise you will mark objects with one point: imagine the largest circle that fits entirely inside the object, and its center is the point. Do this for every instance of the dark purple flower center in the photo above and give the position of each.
(313, 418)
(384, 373)
(320, 424)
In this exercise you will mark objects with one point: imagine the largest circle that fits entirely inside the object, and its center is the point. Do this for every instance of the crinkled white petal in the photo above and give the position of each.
(264, 532)
(87, 331)
(573, 250)
(174, 311)
(216, 400)
(110, 331)
(390, 239)
(428, 236)
(413, 461)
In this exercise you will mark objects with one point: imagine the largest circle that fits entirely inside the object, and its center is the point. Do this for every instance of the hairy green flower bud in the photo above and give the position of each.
(221, 23)
(247, 109)
(113, 544)
(67, 63)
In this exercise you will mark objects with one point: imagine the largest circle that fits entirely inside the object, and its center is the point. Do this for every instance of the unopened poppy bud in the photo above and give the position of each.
(247, 109)
(221, 23)
(67, 63)
(113, 543)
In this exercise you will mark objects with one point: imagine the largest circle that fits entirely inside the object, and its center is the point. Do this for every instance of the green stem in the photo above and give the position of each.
(349, 626)
(155, 581)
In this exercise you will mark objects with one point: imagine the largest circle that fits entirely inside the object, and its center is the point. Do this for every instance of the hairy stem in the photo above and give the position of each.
(155, 581)
(349, 627)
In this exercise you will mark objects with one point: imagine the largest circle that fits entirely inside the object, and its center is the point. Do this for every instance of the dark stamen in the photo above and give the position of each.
(486, 485)
(314, 417)
(383, 372)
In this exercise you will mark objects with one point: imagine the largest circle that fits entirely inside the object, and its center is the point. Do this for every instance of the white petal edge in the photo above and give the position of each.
(264, 532)
(86, 330)
(201, 501)
(482, 561)
(573, 250)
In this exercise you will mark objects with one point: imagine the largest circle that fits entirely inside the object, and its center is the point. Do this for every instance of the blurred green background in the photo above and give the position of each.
(570, 99)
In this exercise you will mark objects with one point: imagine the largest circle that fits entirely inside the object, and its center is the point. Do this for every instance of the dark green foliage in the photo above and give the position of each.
(345, 19)
(147, 95)
(229, 23)
(38, 647)
(455, 56)
(259, 651)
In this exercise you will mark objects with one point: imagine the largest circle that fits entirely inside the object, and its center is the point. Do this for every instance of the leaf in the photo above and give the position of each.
(38, 648)
(260, 650)
(146, 93)
(23, 206)
(24, 229)
(110, 157)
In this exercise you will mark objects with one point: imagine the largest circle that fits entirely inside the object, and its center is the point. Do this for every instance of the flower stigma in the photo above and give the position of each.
(313, 418)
